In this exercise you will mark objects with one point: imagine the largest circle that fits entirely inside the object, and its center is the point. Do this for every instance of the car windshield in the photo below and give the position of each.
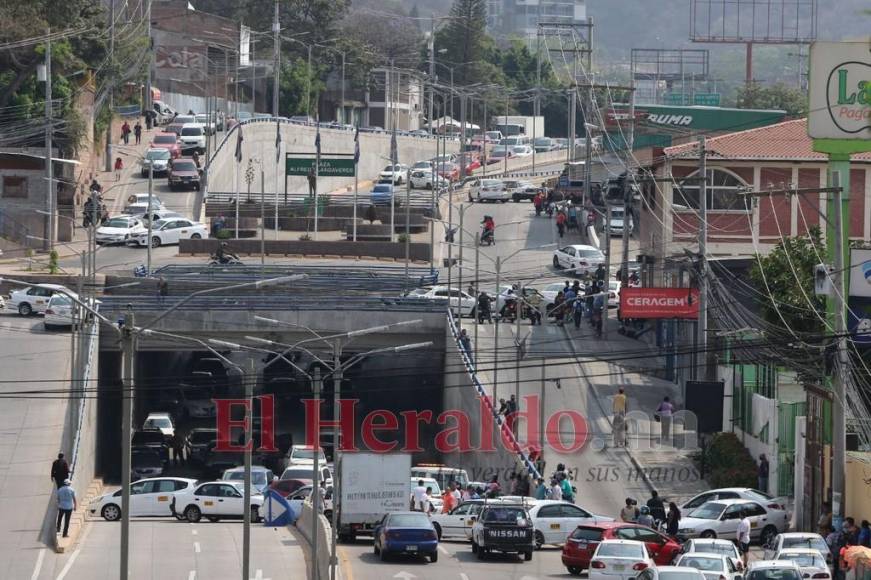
(708, 511)
(299, 453)
(165, 139)
(591, 253)
(504, 515)
(200, 437)
(257, 477)
(157, 154)
(700, 563)
(393, 168)
(297, 473)
(382, 189)
(118, 223)
(617, 214)
(815, 543)
(160, 422)
(619, 550)
(490, 183)
(409, 521)
(159, 224)
(774, 574)
(589, 534)
(714, 548)
(184, 166)
(61, 300)
(804, 560)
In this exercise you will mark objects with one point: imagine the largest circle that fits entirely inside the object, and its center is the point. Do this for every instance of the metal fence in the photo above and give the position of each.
(112, 305)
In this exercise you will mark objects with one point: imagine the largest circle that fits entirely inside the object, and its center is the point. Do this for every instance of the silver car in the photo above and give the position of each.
(713, 566)
(720, 519)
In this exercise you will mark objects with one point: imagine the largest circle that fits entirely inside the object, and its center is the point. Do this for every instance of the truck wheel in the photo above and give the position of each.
(527, 556)
(474, 547)
(481, 552)
(539, 540)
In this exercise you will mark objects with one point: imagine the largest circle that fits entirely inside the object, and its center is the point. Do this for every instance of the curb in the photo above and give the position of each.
(78, 517)
(647, 481)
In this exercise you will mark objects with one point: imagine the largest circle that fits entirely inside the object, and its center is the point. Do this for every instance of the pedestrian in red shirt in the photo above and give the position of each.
(119, 165)
(561, 223)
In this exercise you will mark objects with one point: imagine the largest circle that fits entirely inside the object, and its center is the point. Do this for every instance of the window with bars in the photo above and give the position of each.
(723, 192)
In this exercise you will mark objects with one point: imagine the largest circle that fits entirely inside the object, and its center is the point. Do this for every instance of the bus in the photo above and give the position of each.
(443, 475)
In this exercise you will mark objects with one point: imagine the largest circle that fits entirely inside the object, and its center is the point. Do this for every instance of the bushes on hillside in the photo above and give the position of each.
(728, 463)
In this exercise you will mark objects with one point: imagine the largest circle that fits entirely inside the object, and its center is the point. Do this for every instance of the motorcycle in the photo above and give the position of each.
(487, 238)
(227, 260)
(483, 311)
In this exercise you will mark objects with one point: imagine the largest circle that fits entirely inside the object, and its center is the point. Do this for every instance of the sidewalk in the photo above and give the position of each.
(617, 361)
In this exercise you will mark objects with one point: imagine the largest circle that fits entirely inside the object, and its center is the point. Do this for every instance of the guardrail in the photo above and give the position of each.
(88, 373)
(522, 456)
(272, 302)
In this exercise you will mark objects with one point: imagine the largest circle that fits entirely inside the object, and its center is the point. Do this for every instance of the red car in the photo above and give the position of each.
(167, 141)
(472, 163)
(583, 541)
(287, 486)
(449, 171)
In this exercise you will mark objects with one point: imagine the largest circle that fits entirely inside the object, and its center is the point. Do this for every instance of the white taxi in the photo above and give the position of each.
(119, 230)
(554, 520)
(458, 298)
(214, 501)
(170, 231)
(33, 299)
(148, 497)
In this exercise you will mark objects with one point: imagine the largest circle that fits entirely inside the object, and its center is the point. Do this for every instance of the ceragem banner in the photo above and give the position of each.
(659, 303)
(840, 90)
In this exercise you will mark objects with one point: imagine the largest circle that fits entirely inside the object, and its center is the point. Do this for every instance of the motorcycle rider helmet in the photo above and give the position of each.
(644, 510)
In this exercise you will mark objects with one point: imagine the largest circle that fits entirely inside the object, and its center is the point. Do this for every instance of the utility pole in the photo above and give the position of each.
(702, 325)
(316, 484)
(462, 137)
(49, 169)
(249, 444)
(276, 62)
(342, 106)
(393, 152)
(573, 105)
(627, 215)
(841, 375)
(431, 71)
(607, 281)
(128, 361)
(149, 214)
(149, 101)
(108, 165)
(337, 395)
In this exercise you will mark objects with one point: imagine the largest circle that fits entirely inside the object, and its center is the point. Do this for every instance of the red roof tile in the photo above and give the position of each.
(787, 141)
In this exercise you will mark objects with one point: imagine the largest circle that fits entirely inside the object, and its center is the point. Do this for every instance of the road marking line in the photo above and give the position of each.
(344, 566)
(38, 568)
(192, 575)
(75, 554)
(444, 550)
(463, 576)
(197, 547)
(194, 532)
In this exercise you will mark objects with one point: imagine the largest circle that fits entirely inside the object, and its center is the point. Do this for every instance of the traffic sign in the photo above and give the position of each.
(326, 168)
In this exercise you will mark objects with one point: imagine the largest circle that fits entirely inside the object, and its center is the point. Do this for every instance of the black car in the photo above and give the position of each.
(503, 528)
(151, 441)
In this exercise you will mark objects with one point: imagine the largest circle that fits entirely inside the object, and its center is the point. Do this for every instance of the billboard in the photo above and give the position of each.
(180, 63)
(244, 46)
(840, 91)
(659, 303)
(859, 304)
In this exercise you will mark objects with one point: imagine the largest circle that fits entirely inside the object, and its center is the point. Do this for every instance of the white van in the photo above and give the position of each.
(514, 141)
(443, 475)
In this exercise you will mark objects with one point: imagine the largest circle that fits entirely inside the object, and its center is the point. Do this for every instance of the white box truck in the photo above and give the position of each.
(372, 484)
(514, 125)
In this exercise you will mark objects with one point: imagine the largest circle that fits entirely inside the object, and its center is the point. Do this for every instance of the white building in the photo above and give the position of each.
(520, 18)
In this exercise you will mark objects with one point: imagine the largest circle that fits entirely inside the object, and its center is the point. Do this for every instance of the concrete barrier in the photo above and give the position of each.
(417, 251)
(304, 527)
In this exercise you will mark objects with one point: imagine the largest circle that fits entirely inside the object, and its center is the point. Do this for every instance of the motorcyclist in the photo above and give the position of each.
(484, 308)
(223, 255)
(657, 507)
(509, 308)
(95, 186)
(489, 228)
(645, 519)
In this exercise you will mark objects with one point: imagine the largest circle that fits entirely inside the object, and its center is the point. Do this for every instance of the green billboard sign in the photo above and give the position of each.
(327, 168)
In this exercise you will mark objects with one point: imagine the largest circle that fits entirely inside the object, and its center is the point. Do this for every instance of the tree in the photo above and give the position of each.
(776, 96)
(786, 275)
(465, 41)
(389, 38)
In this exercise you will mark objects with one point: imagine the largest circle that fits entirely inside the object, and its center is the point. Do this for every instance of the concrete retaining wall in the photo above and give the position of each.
(379, 250)
(304, 526)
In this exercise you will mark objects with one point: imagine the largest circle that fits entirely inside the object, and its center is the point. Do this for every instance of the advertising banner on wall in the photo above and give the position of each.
(859, 304)
(659, 303)
(840, 91)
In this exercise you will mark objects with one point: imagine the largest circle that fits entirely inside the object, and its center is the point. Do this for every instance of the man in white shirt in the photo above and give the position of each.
(455, 491)
(743, 534)
(419, 499)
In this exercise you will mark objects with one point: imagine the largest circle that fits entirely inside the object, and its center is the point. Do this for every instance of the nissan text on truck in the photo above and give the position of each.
(372, 484)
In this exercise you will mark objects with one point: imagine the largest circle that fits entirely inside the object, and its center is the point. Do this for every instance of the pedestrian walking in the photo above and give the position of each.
(449, 502)
(60, 470)
(561, 223)
(557, 311)
(600, 275)
(578, 311)
(541, 489)
(466, 343)
(119, 165)
(618, 423)
(66, 503)
(742, 536)
(537, 201)
(672, 521)
(312, 181)
(162, 290)
(418, 497)
(177, 443)
(125, 133)
(598, 313)
(137, 132)
(762, 473)
(664, 413)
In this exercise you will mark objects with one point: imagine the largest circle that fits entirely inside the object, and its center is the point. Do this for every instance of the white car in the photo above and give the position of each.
(619, 219)
(214, 501)
(304, 472)
(733, 493)
(812, 563)
(148, 497)
(713, 566)
(773, 570)
(719, 519)
(670, 573)
(521, 150)
(394, 174)
(489, 190)
(614, 293)
(203, 119)
(170, 231)
(422, 179)
(712, 546)
(619, 560)
(160, 422)
(59, 312)
(192, 138)
(34, 299)
(550, 291)
(795, 540)
(457, 524)
(458, 298)
(579, 258)
(555, 520)
(156, 158)
(261, 477)
(304, 455)
(435, 499)
(119, 230)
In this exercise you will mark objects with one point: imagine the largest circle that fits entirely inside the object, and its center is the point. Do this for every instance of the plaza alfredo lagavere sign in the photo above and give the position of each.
(327, 167)
(840, 90)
